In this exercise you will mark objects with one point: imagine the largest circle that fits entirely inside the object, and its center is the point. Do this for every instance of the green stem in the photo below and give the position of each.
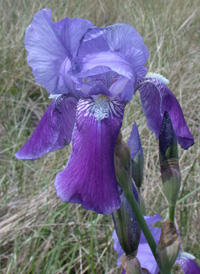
(171, 213)
(144, 227)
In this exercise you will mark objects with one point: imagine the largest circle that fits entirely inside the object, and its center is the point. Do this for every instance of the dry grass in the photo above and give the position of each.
(39, 234)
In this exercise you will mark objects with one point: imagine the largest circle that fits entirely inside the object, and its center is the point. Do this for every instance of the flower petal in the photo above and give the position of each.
(187, 264)
(120, 39)
(156, 98)
(118, 47)
(50, 48)
(53, 131)
(124, 88)
(144, 254)
(89, 177)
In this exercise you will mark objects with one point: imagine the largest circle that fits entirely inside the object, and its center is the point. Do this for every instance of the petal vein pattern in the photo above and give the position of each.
(101, 108)
(89, 177)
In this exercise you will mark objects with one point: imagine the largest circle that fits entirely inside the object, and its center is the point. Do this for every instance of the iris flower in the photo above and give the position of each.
(91, 73)
(145, 256)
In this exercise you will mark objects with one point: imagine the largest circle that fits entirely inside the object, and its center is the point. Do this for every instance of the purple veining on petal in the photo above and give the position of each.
(89, 177)
(53, 131)
(51, 47)
(156, 98)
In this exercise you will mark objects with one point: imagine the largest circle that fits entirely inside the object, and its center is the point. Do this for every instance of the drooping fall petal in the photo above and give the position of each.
(89, 177)
(53, 131)
(156, 98)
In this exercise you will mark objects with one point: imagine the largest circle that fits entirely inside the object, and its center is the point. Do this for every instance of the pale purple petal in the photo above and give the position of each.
(53, 131)
(144, 254)
(89, 177)
(70, 32)
(188, 265)
(124, 88)
(156, 98)
(111, 60)
(121, 40)
(50, 48)
(153, 219)
(117, 247)
(118, 47)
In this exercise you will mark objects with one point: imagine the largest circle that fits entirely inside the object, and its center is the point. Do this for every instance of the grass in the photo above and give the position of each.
(40, 234)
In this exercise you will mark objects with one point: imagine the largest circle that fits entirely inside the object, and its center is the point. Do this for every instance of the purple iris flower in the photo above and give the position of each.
(91, 73)
(145, 256)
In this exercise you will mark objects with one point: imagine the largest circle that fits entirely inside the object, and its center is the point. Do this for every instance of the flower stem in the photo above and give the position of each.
(144, 227)
(171, 213)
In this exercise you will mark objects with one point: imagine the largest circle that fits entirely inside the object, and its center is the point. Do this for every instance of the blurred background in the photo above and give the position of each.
(39, 233)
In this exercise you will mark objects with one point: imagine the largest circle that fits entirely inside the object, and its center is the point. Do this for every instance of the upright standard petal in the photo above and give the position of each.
(156, 98)
(89, 177)
(119, 48)
(51, 47)
(53, 131)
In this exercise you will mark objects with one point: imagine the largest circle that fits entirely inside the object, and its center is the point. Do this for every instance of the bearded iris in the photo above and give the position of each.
(91, 74)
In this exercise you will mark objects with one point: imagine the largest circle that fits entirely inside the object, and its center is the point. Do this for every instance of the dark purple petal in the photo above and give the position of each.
(89, 177)
(53, 131)
(187, 264)
(156, 98)
(99, 89)
(51, 46)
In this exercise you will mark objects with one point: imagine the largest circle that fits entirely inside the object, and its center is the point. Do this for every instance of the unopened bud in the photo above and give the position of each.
(131, 264)
(123, 164)
(137, 157)
(169, 162)
(126, 226)
(168, 247)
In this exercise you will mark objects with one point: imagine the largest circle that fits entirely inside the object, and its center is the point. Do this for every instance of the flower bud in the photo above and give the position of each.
(131, 264)
(123, 164)
(168, 247)
(126, 226)
(169, 162)
(136, 156)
